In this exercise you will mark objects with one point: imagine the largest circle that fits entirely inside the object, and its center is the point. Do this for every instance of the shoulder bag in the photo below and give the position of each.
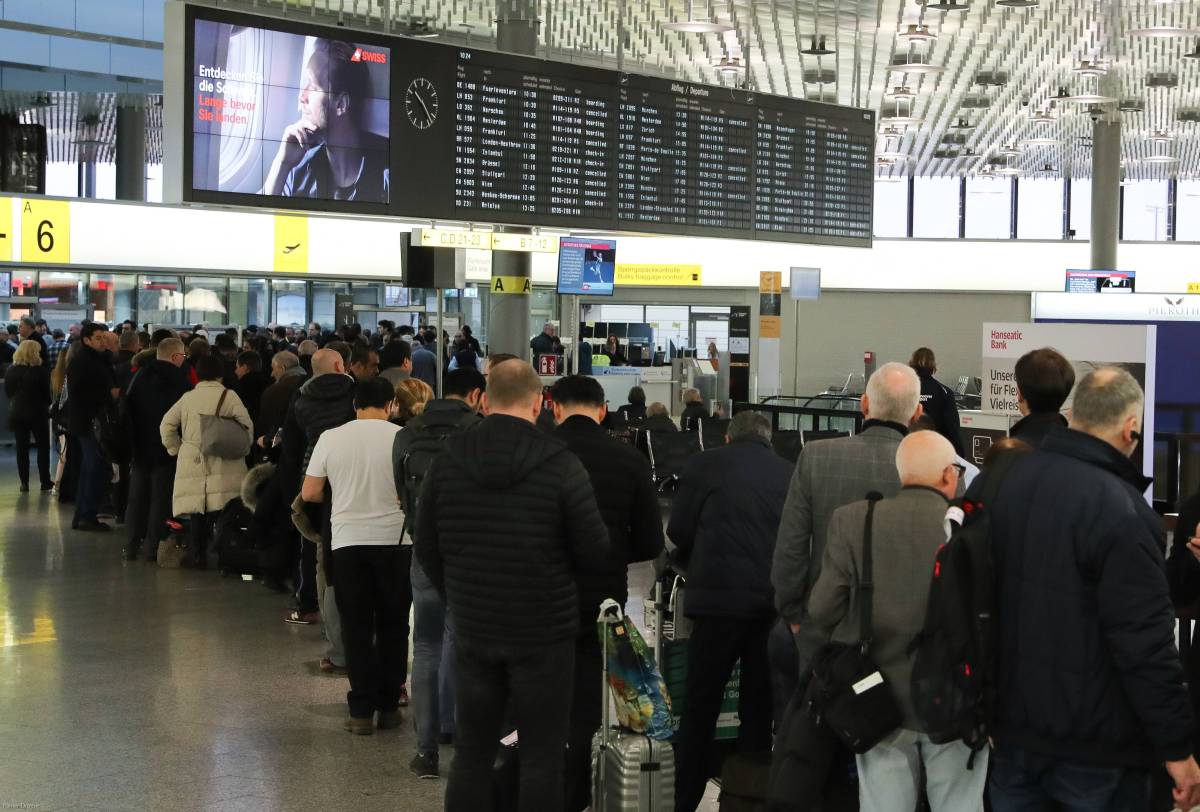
(223, 437)
(848, 691)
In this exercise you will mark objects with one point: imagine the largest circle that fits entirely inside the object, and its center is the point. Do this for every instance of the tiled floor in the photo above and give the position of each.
(126, 687)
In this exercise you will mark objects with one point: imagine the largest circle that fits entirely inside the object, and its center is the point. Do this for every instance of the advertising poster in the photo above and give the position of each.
(586, 267)
(288, 115)
(1087, 346)
(770, 329)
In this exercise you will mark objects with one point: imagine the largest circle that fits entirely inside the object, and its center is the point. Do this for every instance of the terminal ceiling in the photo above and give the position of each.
(988, 102)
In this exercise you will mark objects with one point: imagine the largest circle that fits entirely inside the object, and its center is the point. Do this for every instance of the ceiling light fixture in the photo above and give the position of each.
(1009, 171)
(1161, 137)
(948, 5)
(1086, 68)
(917, 32)
(729, 66)
(1160, 159)
(1017, 3)
(912, 63)
(692, 25)
(1040, 142)
(1194, 53)
(1009, 151)
(817, 48)
(901, 93)
(903, 121)
(962, 124)
(1041, 117)
(1131, 105)
(892, 156)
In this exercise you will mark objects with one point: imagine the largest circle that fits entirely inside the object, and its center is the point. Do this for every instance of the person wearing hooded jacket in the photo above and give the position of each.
(507, 518)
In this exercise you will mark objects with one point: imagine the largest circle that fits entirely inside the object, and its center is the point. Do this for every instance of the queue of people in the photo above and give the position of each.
(502, 540)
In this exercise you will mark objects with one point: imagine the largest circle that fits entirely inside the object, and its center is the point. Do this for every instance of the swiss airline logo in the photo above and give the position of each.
(363, 55)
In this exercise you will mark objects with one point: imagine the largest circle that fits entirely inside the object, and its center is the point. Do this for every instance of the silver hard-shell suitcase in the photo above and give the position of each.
(630, 772)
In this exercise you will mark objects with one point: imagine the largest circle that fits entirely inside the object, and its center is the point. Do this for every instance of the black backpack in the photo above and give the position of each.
(953, 677)
(113, 426)
(425, 442)
(237, 551)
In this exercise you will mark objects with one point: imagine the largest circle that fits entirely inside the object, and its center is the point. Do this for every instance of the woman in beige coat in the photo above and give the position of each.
(203, 484)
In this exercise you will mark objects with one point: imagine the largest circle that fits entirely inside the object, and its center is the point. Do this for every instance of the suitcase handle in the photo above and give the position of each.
(610, 613)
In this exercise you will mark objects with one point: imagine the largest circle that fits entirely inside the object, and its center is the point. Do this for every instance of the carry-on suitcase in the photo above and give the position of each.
(630, 772)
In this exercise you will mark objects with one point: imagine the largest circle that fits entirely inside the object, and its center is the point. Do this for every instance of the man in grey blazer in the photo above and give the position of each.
(832, 473)
(908, 529)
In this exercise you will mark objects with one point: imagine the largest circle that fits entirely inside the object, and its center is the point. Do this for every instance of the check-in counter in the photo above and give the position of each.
(617, 381)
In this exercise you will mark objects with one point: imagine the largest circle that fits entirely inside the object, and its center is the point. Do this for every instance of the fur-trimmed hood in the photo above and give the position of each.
(253, 482)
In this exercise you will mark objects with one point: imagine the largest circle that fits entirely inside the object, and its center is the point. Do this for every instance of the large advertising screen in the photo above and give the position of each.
(283, 114)
(586, 267)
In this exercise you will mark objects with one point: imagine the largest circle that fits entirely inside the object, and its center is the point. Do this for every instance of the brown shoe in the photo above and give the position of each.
(359, 727)
(389, 720)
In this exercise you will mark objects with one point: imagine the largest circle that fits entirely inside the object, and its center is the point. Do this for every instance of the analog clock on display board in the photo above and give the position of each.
(421, 103)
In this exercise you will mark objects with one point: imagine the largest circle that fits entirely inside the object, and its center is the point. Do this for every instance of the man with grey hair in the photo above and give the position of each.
(543, 342)
(906, 534)
(724, 521)
(1091, 694)
(833, 473)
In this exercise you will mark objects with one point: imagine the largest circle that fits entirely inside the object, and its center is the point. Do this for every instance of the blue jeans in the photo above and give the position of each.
(433, 664)
(1022, 781)
(94, 473)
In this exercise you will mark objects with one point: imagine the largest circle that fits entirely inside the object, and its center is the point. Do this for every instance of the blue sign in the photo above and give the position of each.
(586, 267)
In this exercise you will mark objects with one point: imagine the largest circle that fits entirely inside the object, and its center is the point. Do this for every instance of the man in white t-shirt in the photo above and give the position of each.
(369, 564)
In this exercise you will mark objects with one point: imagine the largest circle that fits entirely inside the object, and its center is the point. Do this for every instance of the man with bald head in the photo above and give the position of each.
(1091, 694)
(507, 517)
(324, 402)
(907, 531)
(832, 473)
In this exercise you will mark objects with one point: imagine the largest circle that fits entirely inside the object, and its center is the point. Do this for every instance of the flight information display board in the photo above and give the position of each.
(483, 137)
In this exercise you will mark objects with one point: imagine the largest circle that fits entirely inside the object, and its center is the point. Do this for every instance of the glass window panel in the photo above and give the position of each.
(724, 310)
(106, 181)
(654, 314)
(160, 300)
(57, 287)
(891, 208)
(1145, 214)
(369, 294)
(154, 183)
(289, 302)
(1081, 208)
(62, 179)
(325, 301)
(1039, 208)
(635, 314)
(249, 302)
(24, 283)
(112, 296)
(989, 209)
(206, 301)
(1187, 211)
(935, 208)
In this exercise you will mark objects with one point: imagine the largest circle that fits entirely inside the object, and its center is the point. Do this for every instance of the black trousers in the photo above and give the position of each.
(534, 683)
(40, 431)
(716, 644)
(306, 576)
(373, 589)
(585, 720)
(150, 489)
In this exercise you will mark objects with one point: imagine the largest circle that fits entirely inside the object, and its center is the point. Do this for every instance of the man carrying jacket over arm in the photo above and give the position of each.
(507, 518)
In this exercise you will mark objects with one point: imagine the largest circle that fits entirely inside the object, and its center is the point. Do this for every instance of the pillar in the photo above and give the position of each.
(1106, 193)
(512, 272)
(86, 173)
(131, 153)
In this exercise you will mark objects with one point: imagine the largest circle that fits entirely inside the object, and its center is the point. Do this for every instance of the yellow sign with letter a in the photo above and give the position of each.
(520, 285)
(46, 231)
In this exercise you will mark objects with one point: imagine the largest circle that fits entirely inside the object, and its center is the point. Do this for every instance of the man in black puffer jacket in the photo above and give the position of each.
(724, 522)
(625, 494)
(506, 519)
(153, 390)
(1090, 689)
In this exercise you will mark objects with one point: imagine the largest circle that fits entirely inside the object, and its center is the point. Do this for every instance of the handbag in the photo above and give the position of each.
(223, 437)
(848, 691)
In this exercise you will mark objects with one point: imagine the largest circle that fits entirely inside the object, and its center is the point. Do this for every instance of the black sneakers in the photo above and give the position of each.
(424, 765)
